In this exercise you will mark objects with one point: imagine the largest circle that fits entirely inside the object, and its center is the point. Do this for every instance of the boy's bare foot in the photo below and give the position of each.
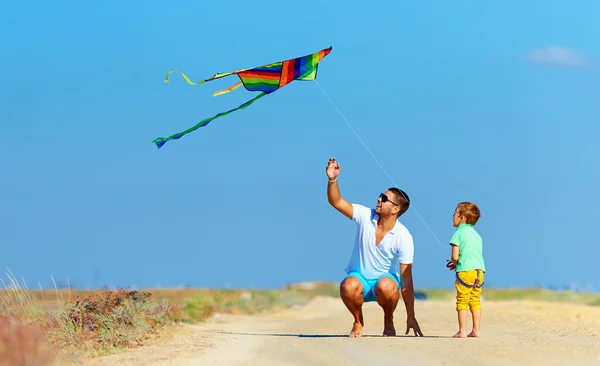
(389, 330)
(460, 335)
(356, 330)
(474, 334)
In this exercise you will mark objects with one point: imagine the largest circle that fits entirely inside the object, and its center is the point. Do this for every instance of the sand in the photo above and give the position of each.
(513, 333)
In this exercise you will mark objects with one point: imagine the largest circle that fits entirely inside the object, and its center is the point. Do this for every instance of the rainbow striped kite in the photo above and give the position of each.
(264, 79)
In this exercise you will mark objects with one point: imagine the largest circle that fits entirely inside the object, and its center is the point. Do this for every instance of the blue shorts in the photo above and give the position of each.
(369, 285)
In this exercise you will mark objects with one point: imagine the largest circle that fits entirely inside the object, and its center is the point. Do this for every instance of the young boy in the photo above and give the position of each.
(467, 260)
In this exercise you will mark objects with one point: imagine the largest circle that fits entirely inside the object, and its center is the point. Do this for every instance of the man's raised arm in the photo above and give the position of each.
(333, 191)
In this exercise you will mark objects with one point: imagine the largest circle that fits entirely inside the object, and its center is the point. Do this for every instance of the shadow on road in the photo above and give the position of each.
(325, 335)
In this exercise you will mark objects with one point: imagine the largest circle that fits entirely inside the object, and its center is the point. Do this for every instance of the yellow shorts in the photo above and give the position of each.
(468, 296)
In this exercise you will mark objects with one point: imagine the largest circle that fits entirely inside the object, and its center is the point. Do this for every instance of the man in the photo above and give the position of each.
(383, 253)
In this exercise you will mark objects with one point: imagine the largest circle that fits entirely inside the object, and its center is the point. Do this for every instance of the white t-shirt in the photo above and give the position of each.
(372, 260)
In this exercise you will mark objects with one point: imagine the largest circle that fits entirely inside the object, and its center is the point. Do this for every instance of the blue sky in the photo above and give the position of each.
(494, 102)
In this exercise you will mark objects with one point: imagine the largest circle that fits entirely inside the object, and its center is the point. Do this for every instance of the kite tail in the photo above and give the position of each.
(214, 77)
(185, 77)
(225, 91)
(163, 140)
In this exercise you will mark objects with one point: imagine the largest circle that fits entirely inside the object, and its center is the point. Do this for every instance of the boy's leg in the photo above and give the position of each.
(462, 304)
(476, 323)
(475, 306)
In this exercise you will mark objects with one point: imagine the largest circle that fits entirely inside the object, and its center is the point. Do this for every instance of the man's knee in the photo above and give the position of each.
(386, 288)
(351, 286)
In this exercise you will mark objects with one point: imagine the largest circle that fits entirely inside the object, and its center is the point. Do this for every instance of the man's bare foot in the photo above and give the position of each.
(460, 335)
(356, 330)
(389, 330)
(474, 334)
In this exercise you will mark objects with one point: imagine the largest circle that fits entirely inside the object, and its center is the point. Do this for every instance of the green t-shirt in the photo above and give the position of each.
(470, 245)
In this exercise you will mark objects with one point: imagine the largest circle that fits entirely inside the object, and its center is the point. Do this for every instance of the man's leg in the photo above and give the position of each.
(388, 293)
(351, 292)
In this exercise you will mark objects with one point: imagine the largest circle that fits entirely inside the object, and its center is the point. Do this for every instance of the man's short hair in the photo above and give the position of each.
(402, 200)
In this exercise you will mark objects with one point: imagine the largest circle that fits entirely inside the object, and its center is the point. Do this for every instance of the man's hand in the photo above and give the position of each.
(333, 191)
(412, 323)
(450, 265)
(333, 169)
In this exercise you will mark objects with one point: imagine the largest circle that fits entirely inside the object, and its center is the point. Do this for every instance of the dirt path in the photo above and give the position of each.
(514, 333)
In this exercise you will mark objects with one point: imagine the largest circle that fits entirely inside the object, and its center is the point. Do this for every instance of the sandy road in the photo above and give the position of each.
(513, 333)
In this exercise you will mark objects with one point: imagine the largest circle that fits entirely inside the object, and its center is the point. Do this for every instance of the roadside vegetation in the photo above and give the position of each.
(38, 327)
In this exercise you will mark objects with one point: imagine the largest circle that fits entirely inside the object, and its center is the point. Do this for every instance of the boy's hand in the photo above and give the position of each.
(477, 279)
(450, 265)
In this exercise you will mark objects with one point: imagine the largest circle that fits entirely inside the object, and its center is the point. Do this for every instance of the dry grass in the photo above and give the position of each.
(37, 324)
(106, 320)
(23, 344)
(16, 301)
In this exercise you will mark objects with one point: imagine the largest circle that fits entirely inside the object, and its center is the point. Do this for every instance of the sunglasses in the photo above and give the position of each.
(385, 199)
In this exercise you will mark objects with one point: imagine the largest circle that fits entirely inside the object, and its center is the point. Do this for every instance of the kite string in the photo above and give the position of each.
(374, 158)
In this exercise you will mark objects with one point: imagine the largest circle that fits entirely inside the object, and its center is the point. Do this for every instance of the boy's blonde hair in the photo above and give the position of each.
(470, 211)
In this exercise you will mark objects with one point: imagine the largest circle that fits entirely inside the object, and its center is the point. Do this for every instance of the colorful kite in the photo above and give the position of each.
(264, 79)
